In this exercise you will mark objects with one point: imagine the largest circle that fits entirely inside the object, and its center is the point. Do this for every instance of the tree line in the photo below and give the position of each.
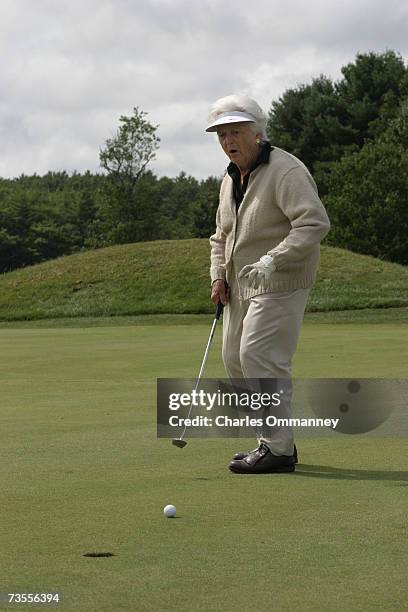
(351, 134)
(56, 214)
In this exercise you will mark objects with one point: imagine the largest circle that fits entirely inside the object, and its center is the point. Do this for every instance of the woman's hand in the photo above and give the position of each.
(220, 292)
(259, 272)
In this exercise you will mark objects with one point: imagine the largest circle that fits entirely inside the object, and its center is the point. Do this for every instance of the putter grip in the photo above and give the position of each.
(220, 308)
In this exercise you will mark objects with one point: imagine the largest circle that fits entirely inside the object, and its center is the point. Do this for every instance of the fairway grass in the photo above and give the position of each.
(82, 471)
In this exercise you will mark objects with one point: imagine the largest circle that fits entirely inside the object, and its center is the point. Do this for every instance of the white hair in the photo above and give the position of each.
(237, 102)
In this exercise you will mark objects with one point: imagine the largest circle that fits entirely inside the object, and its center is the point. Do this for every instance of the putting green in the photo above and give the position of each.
(82, 471)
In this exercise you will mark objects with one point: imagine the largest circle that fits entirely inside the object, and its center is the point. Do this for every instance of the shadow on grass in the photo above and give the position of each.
(326, 471)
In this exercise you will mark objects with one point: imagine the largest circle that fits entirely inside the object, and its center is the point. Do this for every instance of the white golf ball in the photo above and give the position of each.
(169, 511)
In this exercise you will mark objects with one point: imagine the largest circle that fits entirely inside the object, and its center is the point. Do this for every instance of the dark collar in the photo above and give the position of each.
(239, 188)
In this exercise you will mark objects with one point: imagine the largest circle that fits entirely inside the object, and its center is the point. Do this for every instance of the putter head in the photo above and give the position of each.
(179, 442)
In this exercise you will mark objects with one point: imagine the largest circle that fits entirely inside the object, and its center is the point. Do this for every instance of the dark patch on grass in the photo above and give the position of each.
(99, 554)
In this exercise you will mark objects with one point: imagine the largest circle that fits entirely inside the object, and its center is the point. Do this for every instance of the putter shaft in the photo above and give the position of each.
(180, 442)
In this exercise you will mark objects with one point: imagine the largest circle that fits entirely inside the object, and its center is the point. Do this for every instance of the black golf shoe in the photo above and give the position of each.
(262, 461)
(242, 455)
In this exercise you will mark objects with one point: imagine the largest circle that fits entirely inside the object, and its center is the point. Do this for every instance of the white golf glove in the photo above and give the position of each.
(259, 272)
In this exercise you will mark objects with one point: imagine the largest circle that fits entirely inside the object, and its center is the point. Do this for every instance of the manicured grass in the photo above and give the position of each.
(82, 471)
(172, 277)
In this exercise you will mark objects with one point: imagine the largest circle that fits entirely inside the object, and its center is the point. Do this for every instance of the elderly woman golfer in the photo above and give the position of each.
(269, 224)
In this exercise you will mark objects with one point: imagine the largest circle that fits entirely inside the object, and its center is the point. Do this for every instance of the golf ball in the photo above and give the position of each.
(169, 511)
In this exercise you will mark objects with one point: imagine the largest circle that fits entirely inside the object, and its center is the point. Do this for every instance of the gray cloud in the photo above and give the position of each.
(69, 70)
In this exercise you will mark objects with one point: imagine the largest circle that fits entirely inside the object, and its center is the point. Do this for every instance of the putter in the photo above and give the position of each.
(181, 442)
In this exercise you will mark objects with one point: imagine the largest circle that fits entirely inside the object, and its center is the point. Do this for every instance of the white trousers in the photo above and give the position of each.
(260, 337)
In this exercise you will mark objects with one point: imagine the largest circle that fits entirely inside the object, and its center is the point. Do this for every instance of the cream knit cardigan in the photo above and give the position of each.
(281, 215)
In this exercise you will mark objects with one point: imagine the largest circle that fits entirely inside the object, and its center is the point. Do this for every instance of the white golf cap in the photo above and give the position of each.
(230, 117)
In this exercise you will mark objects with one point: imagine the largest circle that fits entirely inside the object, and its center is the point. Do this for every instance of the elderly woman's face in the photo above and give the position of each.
(239, 144)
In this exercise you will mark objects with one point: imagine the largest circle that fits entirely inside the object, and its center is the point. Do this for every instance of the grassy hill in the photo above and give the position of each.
(172, 277)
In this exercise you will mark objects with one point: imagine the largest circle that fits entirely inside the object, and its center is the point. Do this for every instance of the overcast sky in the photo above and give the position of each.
(70, 68)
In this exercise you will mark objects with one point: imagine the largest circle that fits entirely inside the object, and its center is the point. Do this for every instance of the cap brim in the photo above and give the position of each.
(226, 121)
